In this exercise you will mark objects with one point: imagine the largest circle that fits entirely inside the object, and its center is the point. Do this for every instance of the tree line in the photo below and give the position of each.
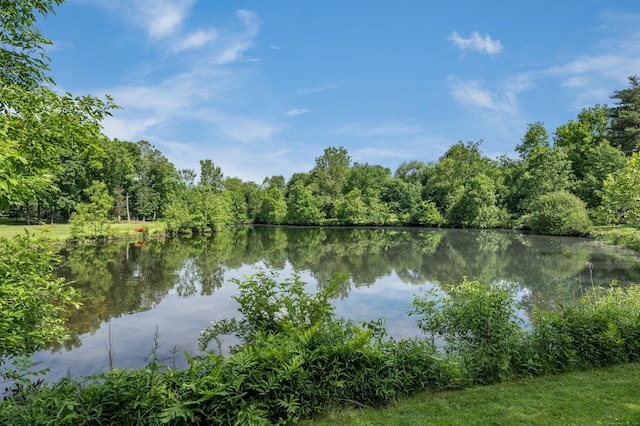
(57, 165)
(586, 171)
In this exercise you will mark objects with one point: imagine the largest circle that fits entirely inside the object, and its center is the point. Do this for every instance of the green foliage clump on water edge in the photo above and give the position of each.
(558, 213)
(628, 237)
(295, 359)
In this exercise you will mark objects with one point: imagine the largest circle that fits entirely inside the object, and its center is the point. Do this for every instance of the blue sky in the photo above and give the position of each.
(263, 87)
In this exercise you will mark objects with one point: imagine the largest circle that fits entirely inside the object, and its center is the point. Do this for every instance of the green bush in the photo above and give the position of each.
(478, 324)
(559, 213)
(33, 303)
(602, 328)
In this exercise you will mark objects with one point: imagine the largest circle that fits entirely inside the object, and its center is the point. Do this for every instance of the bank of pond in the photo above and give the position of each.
(259, 325)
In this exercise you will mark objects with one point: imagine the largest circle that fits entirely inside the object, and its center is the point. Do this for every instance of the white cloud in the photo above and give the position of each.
(297, 111)
(232, 52)
(476, 43)
(201, 95)
(195, 40)
(470, 93)
(162, 17)
(592, 77)
(158, 18)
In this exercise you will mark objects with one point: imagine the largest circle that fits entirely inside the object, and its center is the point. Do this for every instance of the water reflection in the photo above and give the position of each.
(179, 285)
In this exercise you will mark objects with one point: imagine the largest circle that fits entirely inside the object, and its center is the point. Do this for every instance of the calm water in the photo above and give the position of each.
(177, 286)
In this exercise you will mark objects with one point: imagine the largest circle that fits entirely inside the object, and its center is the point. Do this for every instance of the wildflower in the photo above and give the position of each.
(281, 313)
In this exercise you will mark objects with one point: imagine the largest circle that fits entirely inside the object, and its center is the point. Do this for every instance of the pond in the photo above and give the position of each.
(166, 291)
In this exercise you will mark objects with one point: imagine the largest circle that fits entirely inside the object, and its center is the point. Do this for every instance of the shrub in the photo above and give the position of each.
(478, 324)
(299, 362)
(33, 303)
(602, 328)
(559, 213)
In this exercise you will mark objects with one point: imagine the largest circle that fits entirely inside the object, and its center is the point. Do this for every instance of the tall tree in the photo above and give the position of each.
(625, 117)
(211, 176)
(621, 194)
(535, 137)
(156, 181)
(411, 172)
(329, 176)
(585, 141)
(545, 170)
(122, 164)
(444, 182)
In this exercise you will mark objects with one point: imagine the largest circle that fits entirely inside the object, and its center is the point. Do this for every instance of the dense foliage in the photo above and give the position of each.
(559, 213)
(462, 189)
(33, 303)
(295, 359)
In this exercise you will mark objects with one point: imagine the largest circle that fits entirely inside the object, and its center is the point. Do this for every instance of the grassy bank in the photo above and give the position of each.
(627, 236)
(608, 396)
(62, 231)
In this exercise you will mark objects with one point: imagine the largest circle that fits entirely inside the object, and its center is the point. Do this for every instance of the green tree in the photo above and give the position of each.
(410, 172)
(33, 138)
(91, 218)
(579, 137)
(211, 207)
(586, 144)
(155, 182)
(122, 164)
(366, 176)
(187, 177)
(401, 198)
(352, 209)
(329, 176)
(535, 137)
(477, 206)
(303, 208)
(33, 303)
(444, 182)
(545, 170)
(211, 176)
(426, 214)
(273, 206)
(621, 194)
(601, 161)
(625, 117)
(36, 126)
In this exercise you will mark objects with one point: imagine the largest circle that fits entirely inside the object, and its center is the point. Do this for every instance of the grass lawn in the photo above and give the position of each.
(609, 396)
(62, 231)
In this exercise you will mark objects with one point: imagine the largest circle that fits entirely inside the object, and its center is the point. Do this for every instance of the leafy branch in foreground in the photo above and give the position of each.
(33, 304)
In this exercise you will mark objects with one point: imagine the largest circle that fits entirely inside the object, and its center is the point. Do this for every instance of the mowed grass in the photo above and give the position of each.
(62, 231)
(609, 396)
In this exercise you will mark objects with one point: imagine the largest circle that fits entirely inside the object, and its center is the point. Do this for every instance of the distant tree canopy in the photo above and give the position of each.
(57, 164)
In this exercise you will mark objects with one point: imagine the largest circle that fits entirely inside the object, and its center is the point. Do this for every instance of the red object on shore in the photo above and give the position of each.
(138, 229)
(138, 244)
